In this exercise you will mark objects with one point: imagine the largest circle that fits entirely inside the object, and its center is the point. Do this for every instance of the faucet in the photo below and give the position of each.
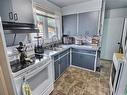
(54, 40)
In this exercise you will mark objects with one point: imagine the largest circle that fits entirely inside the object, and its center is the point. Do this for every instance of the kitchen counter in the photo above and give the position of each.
(51, 53)
(65, 47)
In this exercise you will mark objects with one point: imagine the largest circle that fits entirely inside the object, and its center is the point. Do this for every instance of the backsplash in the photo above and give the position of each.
(14, 39)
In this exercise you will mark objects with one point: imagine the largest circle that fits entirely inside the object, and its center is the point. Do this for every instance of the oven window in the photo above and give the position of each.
(38, 79)
(113, 73)
(118, 77)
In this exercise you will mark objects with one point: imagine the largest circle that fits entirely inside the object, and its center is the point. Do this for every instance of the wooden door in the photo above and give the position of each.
(4, 64)
(3, 88)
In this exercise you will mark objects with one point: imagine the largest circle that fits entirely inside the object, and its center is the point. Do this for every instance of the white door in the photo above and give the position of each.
(111, 36)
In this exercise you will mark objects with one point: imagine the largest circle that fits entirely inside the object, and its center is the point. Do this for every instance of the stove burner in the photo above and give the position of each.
(17, 65)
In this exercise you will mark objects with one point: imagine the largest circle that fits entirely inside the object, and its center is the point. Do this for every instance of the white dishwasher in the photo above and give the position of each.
(39, 78)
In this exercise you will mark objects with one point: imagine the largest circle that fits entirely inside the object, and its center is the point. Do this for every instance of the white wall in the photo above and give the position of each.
(113, 22)
(92, 5)
(46, 5)
(115, 13)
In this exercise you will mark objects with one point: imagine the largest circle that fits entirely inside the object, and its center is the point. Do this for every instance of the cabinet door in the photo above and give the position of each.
(57, 69)
(63, 64)
(6, 10)
(83, 60)
(75, 59)
(70, 25)
(23, 12)
(68, 59)
(88, 23)
(87, 61)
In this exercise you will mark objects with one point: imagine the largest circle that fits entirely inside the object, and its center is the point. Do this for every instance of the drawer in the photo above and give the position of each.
(64, 52)
(84, 51)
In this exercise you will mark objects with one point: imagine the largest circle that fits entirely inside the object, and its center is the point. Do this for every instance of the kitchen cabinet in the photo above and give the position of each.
(84, 58)
(88, 23)
(61, 63)
(70, 25)
(81, 24)
(68, 59)
(56, 68)
(6, 10)
(19, 11)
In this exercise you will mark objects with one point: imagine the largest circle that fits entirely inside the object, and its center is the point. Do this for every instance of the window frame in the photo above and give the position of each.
(39, 11)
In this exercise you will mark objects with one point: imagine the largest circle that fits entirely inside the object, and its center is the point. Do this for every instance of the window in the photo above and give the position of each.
(46, 23)
(40, 23)
(51, 27)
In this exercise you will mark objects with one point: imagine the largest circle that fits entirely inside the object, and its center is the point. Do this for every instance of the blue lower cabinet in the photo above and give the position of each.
(87, 61)
(63, 63)
(68, 59)
(83, 60)
(56, 68)
(75, 59)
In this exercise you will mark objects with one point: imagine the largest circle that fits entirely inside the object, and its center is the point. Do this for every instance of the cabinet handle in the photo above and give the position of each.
(15, 16)
(11, 16)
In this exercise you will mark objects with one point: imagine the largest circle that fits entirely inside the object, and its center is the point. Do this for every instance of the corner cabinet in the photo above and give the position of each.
(19, 11)
(84, 58)
(61, 63)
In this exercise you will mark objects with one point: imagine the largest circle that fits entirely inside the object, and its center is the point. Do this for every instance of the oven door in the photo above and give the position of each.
(115, 77)
(113, 74)
(40, 79)
(112, 78)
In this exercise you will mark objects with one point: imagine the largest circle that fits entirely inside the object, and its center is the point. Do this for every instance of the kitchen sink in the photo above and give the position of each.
(58, 48)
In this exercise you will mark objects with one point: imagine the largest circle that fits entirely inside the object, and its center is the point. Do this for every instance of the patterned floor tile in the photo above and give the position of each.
(82, 82)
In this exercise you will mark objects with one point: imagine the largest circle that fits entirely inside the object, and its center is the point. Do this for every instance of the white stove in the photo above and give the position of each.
(39, 74)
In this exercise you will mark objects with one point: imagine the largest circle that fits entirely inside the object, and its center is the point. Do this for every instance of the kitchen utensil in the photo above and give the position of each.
(39, 50)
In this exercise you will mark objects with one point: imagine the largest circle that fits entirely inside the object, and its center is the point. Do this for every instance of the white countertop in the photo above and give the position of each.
(65, 47)
(88, 47)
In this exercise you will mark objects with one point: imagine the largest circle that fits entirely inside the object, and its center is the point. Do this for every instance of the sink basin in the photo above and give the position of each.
(58, 49)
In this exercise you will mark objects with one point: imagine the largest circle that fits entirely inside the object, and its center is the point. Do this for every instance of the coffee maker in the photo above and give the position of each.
(38, 48)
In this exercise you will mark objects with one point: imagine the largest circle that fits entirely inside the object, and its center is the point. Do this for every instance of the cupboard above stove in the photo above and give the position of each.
(18, 11)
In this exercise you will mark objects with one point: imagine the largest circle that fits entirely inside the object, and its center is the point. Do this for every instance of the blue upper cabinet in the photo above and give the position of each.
(88, 23)
(81, 24)
(70, 25)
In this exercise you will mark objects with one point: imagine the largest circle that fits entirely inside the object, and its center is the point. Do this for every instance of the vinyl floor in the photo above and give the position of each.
(82, 82)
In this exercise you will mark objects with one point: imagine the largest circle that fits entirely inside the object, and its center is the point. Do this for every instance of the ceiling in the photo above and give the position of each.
(110, 4)
(63, 3)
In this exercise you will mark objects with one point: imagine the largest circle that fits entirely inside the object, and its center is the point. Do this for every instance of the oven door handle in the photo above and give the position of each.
(38, 69)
